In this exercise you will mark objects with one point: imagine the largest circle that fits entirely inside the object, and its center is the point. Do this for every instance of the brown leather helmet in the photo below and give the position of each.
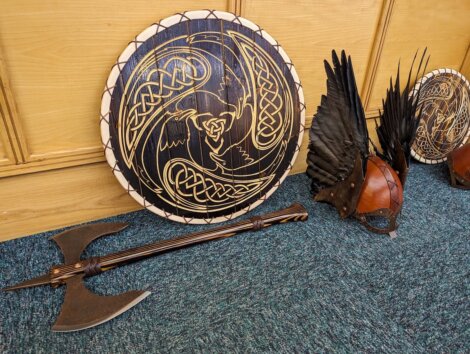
(374, 198)
(381, 197)
(459, 167)
(359, 181)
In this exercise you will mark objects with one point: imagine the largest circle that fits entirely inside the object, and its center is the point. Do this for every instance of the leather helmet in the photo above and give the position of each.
(381, 197)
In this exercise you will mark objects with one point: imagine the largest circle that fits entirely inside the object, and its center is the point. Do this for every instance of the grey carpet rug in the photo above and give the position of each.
(325, 285)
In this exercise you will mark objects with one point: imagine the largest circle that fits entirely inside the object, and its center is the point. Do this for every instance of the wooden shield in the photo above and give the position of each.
(202, 117)
(445, 124)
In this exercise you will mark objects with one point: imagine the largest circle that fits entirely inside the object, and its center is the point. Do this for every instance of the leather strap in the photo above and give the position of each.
(93, 267)
(258, 222)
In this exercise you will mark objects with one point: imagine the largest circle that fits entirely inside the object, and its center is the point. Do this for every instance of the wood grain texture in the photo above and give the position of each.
(372, 132)
(239, 108)
(442, 26)
(235, 6)
(300, 164)
(55, 57)
(4, 160)
(376, 52)
(58, 57)
(309, 30)
(12, 144)
(6, 153)
(465, 67)
(53, 162)
(48, 200)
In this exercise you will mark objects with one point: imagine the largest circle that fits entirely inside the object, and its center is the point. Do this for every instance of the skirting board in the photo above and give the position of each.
(48, 200)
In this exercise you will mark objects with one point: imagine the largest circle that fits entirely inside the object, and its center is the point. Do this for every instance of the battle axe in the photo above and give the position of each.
(82, 308)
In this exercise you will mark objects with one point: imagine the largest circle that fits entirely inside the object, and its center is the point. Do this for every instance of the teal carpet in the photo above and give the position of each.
(325, 285)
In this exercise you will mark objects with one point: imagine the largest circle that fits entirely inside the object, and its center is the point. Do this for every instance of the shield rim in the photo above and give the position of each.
(114, 76)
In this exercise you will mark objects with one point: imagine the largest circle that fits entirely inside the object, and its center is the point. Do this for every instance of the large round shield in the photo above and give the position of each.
(202, 117)
(445, 124)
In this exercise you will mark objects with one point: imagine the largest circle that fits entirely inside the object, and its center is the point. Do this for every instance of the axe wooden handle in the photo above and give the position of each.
(295, 212)
(95, 265)
(82, 308)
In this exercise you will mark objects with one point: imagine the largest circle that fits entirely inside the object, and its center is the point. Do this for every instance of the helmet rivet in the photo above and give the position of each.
(381, 212)
(352, 185)
(332, 194)
(344, 208)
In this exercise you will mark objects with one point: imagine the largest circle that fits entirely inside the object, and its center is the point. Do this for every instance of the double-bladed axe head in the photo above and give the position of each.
(81, 308)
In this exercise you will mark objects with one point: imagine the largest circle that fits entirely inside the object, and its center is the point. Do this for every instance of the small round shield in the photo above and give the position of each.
(202, 117)
(445, 124)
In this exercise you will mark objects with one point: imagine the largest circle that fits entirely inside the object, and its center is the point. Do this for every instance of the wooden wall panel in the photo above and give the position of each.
(58, 56)
(43, 201)
(3, 153)
(442, 26)
(308, 31)
(465, 69)
(9, 148)
(55, 57)
(300, 164)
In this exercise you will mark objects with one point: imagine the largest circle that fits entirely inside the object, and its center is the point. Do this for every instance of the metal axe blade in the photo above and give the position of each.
(83, 309)
(73, 242)
(41, 280)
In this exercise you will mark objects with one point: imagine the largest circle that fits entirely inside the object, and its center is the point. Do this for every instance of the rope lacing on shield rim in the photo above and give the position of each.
(183, 15)
(227, 217)
(107, 145)
(236, 19)
(277, 46)
(109, 90)
(137, 43)
(259, 31)
(159, 25)
(211, 12)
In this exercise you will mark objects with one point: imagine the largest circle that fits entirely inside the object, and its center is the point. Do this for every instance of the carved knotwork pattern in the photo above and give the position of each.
(203, 117)
(445, 125)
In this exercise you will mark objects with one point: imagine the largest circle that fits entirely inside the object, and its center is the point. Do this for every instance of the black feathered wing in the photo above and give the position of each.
(339, 132)
(399, 121)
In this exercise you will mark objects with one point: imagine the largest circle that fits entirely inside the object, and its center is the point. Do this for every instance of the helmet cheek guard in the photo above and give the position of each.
(381, 197)
(374, 199)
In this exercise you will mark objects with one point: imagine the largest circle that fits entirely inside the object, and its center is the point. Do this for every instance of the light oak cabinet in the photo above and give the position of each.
(56, 56)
